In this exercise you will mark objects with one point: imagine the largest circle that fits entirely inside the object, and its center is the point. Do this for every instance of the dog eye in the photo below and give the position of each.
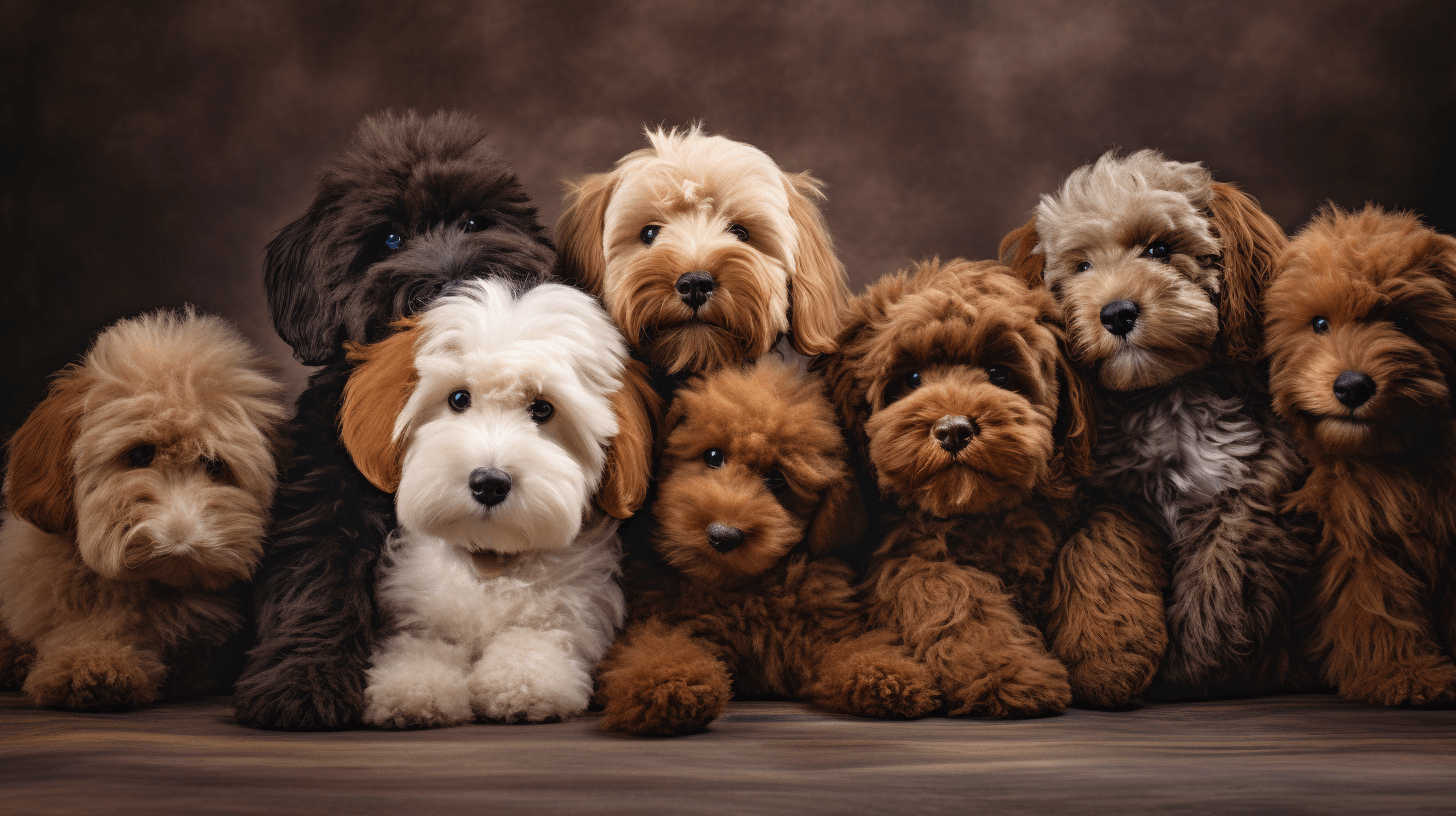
(393, 241)
(649, 233)
(459, 401)
(476, 223)
(738, 231)
(1320, 324)
(540, 411)
(999, 375)
(775, 481)
(214, 467)
(141, 455)
(1158, 252)
(1084, 266)
(912, 380)
(1404, 322)
(713, 458)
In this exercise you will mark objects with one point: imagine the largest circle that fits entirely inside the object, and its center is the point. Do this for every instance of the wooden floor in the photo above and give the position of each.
(1283, 755)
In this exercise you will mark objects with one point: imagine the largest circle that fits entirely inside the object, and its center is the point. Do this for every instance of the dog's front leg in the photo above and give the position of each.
(418, 681)
(93, 664)
(869, 676)
(960, 622)
(15, 660)
(1231, 581)
(1105, 610)
(532, 675)
(660, 680)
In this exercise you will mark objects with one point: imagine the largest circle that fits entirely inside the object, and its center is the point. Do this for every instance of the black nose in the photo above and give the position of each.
(1353, 389)
(695, 288)
(1119, 317)
(724, 538)
(490, 486)
(954, 432)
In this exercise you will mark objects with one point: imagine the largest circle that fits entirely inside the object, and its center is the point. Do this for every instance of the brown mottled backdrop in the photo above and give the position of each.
(148, 150)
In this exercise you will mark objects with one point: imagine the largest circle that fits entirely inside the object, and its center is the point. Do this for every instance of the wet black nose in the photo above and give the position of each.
(1353, 389)
(724, 538)
(490, 486)
(954, 432)
(1119, 317)
(695, 288)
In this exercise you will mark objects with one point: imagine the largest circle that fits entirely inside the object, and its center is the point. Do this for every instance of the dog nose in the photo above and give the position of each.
(490, 486)
(695, 288)
(1119, 317)
(1353, 388)
(724, 538)
(955, 432)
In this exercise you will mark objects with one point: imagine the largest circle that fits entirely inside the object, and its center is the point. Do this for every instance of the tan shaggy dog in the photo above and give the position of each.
(1361, 336)
(736, 591)
(138, 491)
(704, 252)
(952, 378)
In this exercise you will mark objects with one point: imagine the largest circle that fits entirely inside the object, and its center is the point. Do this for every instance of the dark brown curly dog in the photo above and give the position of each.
(1361, 335)
(736, 591)
(952, 378)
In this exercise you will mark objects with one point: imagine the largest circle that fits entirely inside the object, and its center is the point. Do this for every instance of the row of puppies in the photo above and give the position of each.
(313, 304)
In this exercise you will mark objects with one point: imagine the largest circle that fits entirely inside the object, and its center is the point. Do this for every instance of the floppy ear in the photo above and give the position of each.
(1251, 243)
(841, 518)
(295, 280)
(629, 460)
(579, 231)
(819, 287)
(1075, 431)
(38, 486)
(384, 375)
(1017, 251)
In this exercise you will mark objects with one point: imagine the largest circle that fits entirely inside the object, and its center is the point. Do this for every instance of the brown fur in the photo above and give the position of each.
(770, 616)
(122, 578)
(374, 396)
(1384, 472)
(965, 573)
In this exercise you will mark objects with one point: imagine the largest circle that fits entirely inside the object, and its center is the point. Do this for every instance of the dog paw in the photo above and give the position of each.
(15, 661)
(533, 684)
(901, 690)
(404, 702)
(101, 677)
(671, 704)
(300, 695)
(1029, 686)
(1112, 678)
(1420, 681)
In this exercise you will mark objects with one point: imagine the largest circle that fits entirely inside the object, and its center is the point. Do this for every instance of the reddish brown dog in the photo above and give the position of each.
(953, 379)
(1361, 335)
(736, 591)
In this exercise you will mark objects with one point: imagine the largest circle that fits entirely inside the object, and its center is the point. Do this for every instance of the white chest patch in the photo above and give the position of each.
(1178, 449)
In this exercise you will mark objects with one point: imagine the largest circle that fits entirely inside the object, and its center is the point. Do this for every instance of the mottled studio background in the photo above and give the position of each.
(148, 150)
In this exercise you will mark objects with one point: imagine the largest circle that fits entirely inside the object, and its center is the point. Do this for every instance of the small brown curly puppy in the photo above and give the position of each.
(1361, 335)
(736, 593)
(953, 379)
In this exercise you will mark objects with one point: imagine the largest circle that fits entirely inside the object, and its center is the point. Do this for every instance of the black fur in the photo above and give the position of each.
(330, 279)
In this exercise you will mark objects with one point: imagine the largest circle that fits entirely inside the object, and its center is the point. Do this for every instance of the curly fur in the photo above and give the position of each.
(138, 492)
(1187, 434)
(965, 571)
(778, 276)
(1383, 604)
(755, 450)
(331, 277)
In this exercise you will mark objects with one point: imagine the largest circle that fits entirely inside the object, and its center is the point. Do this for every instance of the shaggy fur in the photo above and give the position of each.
(1373, 294)
(1158, 271)
(499, 597)
(138, 492)
(698, 205)
(953, 380)
(414, 204)
(737, 592)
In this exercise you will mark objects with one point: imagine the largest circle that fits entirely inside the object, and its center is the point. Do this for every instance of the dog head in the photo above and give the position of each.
(489, 415)
(952, 378)
(704, 252)
(1361, 332)
(155, 453)
(752, 466)
(1158, 269)
(414, 204)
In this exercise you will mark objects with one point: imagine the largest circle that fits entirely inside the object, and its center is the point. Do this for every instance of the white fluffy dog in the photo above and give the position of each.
(489, 416)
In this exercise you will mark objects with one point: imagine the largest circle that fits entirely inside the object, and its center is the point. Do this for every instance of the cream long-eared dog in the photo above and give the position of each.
(489, 416)
(138, 492)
